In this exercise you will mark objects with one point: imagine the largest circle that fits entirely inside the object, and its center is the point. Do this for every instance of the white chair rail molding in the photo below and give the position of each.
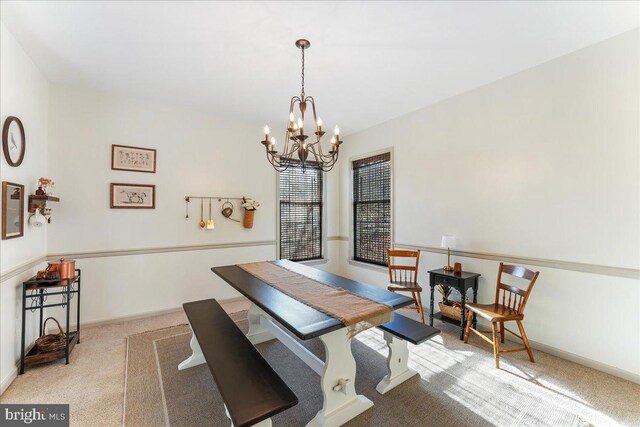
(189, 238)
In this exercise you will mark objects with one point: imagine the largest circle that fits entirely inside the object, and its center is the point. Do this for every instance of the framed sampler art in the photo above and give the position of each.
(134, 159)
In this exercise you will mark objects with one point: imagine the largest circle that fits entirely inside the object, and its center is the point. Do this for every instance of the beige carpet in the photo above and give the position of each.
(93, 383)
(458, 386)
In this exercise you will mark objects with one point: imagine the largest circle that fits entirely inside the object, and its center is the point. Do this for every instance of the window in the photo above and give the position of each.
(372, 208)
(301, 213)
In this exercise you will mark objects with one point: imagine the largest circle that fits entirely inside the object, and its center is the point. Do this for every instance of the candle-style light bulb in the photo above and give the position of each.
(319, 123)
(291, 118)
(300, 123)
(273, 144)
(333, 140)
(336, 130)
(266, 133)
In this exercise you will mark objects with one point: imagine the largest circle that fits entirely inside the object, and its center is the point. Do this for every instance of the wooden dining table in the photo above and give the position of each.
(275, 315)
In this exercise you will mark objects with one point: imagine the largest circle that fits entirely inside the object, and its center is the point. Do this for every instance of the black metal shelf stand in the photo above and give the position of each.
(35, 292)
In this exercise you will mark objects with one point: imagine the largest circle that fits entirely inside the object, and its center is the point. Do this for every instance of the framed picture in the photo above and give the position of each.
(135, 159)
(12, 210)
(133, 196)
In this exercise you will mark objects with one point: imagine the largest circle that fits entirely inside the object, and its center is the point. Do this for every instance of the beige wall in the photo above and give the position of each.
(25, 94)
(543, 164)
(197, 155)
(540, 164)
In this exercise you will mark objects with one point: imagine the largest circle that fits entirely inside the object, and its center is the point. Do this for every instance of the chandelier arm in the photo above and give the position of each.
(293, 101)
(315, 155)
(277, 162)
(312, 101)
(315, 115)
(286, 157)
(318, 142)
(325, 166)
(333, 158)
(319, 139)
(294, 148)
(285, 148)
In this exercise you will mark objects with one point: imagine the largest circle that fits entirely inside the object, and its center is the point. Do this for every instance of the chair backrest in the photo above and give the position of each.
(512, 296)
(406, 272)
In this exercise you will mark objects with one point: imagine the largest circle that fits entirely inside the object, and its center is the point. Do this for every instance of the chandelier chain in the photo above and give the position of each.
(302, 74)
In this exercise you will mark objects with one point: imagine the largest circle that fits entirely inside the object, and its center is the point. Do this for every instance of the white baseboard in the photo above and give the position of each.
(6, 382)
(590, 363)
(572, 357)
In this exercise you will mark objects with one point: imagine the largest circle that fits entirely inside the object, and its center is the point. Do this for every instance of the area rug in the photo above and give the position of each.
(458, 385)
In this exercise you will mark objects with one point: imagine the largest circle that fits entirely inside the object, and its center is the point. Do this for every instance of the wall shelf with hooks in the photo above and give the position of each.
(40, 201)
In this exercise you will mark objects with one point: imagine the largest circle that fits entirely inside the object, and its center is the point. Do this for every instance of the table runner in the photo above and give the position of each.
(354, 311)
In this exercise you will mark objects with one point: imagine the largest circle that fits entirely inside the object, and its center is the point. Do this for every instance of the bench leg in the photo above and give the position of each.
(265, 423)
(257, 332)
(397, 359)
(196, 358)
(340, 401)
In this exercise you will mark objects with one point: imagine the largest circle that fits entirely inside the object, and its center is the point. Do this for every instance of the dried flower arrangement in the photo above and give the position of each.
(46, 183)
(445, 291)
(250, 204)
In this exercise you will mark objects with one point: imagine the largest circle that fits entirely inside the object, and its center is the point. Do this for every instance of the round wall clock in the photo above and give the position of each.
(13, 141)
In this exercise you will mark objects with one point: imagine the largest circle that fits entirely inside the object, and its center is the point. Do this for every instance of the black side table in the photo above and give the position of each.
(461, 282)
(35, 293)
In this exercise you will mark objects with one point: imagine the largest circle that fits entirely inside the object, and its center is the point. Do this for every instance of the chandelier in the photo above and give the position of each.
(296, 142)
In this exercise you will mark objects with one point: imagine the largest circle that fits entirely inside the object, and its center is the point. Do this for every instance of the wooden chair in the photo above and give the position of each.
(404, 278)
(509, 308)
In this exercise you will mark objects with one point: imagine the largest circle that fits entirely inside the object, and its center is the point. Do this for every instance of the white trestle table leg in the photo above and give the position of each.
(196, 358)
(257, 332)
(265, 423)
(397, 359)
(341, 403)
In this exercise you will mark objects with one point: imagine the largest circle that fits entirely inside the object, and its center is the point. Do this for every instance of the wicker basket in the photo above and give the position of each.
(450, 311)
(51, 342)
(248, 218)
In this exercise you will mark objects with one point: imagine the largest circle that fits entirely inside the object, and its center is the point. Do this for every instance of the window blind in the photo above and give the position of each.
(301, 213)
(372, 208)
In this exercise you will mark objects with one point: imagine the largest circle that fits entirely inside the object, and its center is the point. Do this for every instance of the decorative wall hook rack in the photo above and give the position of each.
(220, 198)
(187, 200)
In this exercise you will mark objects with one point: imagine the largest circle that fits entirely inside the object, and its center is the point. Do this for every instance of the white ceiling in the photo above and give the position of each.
(368, 62)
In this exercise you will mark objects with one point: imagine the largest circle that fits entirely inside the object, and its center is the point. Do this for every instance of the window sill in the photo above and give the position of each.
(315, 261)
(374, 267)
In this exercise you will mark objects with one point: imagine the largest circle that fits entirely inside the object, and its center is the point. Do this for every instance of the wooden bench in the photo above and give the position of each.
(252, 391)
(396, 333)
(409, 330)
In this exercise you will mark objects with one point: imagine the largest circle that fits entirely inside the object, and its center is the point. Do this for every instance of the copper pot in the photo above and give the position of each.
(66, 268)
